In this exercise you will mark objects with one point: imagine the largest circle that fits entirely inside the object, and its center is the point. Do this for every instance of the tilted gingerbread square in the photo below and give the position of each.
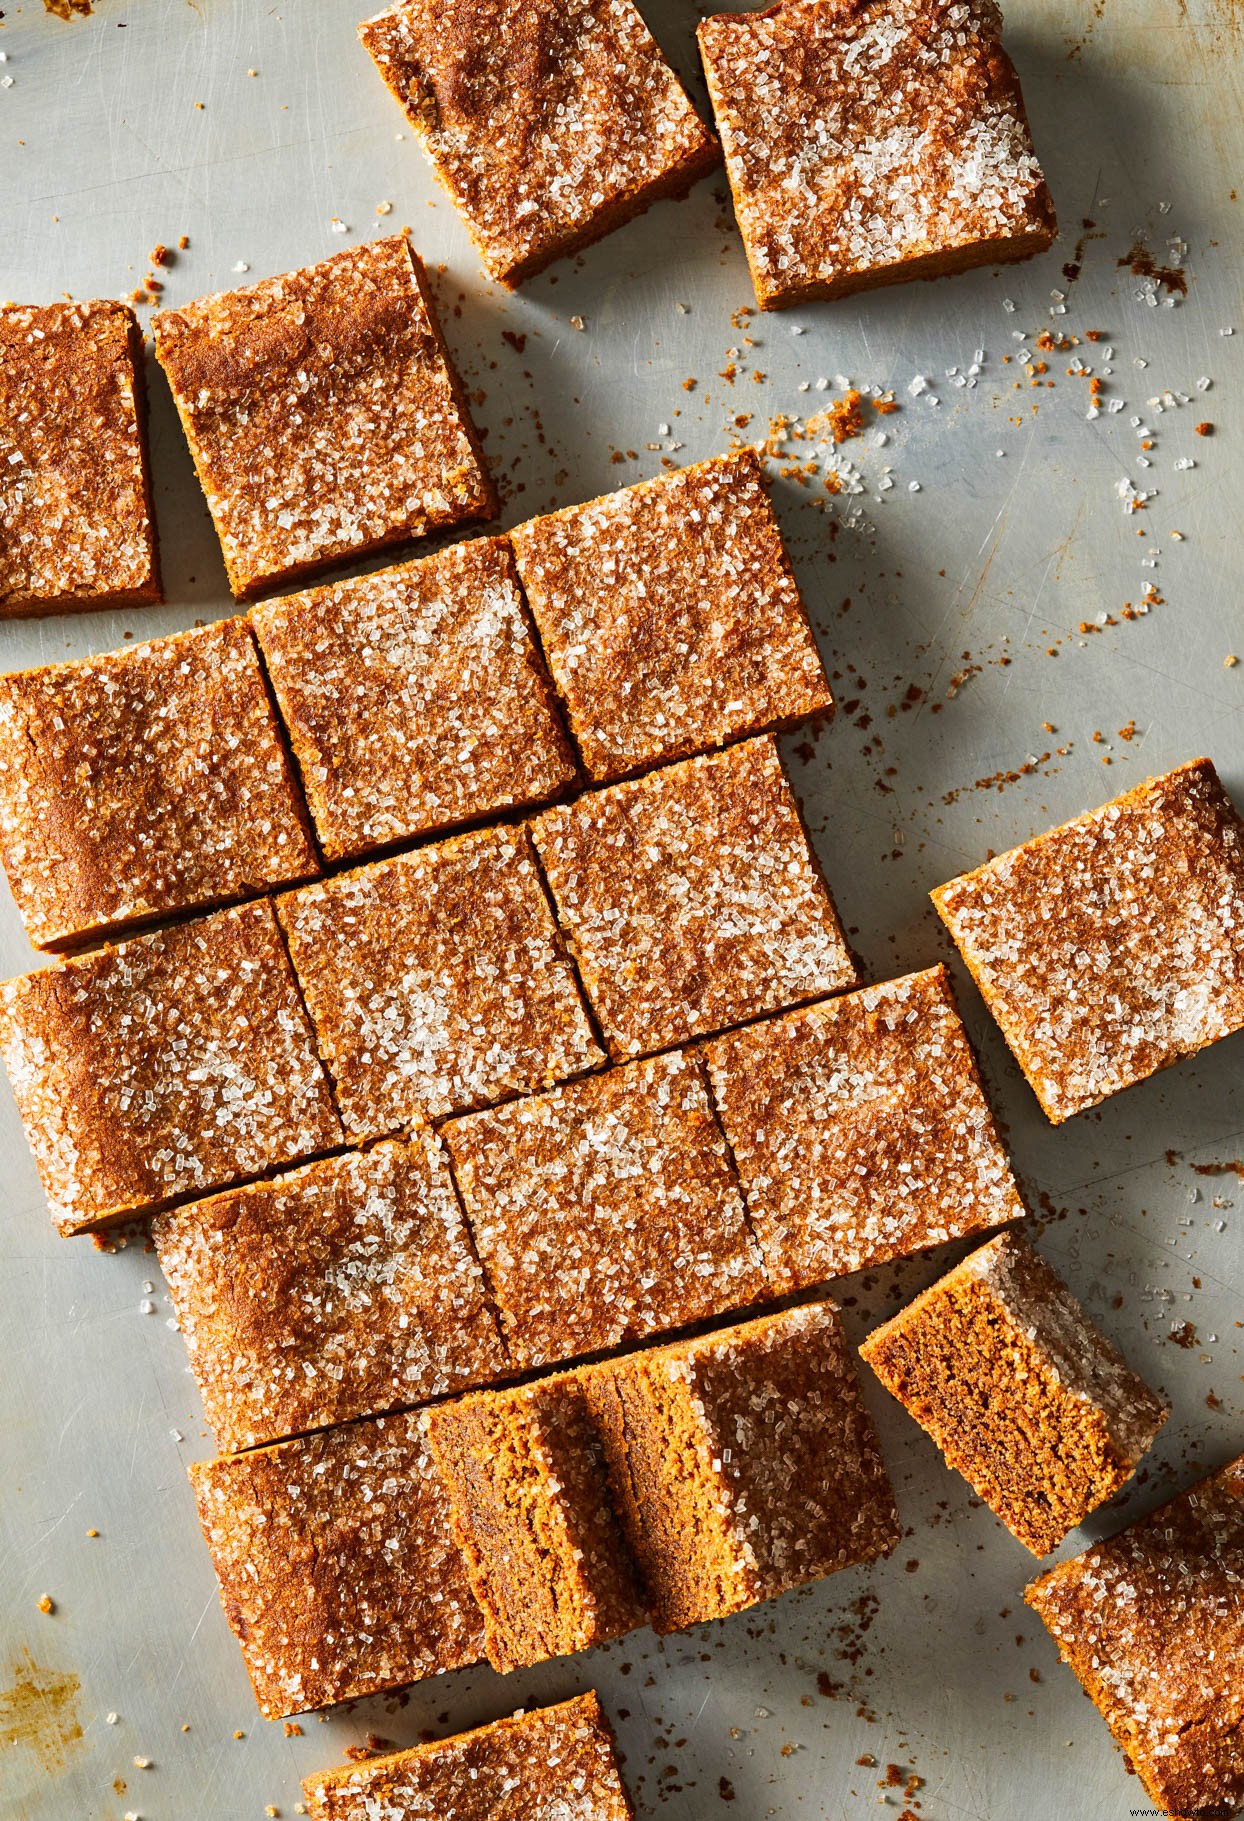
(1113, 946)
(605, 1211)
(143, 784)
(343, 1289)
(323, 414)
(76, 527)
(1023, 1395)
(691, 899)
(1152, 1622)
(670, 616)
(550, 122)
(861, 1130)
(338, 1571)
(415, 698)
(169, 1066)
(436, 982)
(870, 141)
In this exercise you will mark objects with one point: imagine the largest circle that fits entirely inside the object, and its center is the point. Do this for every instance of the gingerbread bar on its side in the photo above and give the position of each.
(1152, 1623)
(1022, 1394)
(76, 526)
(1111, 947)
(670, 616)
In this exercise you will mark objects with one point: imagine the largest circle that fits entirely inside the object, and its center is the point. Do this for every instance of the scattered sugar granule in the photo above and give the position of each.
(241, 266)
(338, 226)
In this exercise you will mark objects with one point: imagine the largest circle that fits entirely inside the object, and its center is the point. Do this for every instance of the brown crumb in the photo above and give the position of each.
(46, 1603)
(1205, 429)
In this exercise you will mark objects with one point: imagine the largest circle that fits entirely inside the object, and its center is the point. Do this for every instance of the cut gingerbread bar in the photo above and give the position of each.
(1022, 1394)
(861, 1130)
(871, 141)
(323, 414)
(436, 982)
(164, 1068)
(144, 784)
(1111, 947)
(1152, 1622)
(415, 699)
(343, 1289)
(670, 616)
(556, 1764)
(605, 1211)
(550, 122)
(742, 1464)
(76, 527)
(531, 1512)
(691, 899)
(338, 1571)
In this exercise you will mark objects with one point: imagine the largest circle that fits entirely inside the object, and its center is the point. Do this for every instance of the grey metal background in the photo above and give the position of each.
(929, 1660)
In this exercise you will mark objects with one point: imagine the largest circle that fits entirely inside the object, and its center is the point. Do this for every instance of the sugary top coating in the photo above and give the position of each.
(143, 783)
(670, 616)
(340, 1290)
(323, 414)
(691, 899)
(538, 118)
(171, 1065)
(556, 1764)
(75, 523)
(861, 1130)
(862, 133)
(606, 1210)
(436, 982)
(414, 698)
(1152, 1622)
(338, 1572)
(1114, 945)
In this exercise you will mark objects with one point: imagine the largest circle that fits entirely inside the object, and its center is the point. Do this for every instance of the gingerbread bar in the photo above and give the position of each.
(860, 1130)
(871, 141)
(1152, 1623)
(1113, 946)
(549, 123)
(671, 617)
(531, 1513)
(170, 1066)
(1022, 1394)
(691, 899)
(76, 527)
(436, 982)
(742, 1464)
(556, 1764)
(605, 1211)
(323, 414)
(144, 784)
(415, 699)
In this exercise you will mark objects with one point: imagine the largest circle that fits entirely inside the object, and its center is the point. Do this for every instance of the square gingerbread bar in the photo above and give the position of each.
(167, 1067)
(76, 526)
(554, 1764)
(1113, 946)
(605, 1211)
(871, 141)
(861, 1130)
(415, 698)
(527, 1487)
(1022, 1394)
(144, 784)
(1152, 1623)
(670, 616)
(338, 1571)
(323, 414)
(691, 899)
(742, 1464)
(549, 122)
(343, 1289)
(436, 982)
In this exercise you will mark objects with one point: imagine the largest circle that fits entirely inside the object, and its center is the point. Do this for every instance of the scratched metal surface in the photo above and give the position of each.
(950, 616)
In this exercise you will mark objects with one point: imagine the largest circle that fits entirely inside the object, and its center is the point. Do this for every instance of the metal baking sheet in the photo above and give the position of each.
(983, 619)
